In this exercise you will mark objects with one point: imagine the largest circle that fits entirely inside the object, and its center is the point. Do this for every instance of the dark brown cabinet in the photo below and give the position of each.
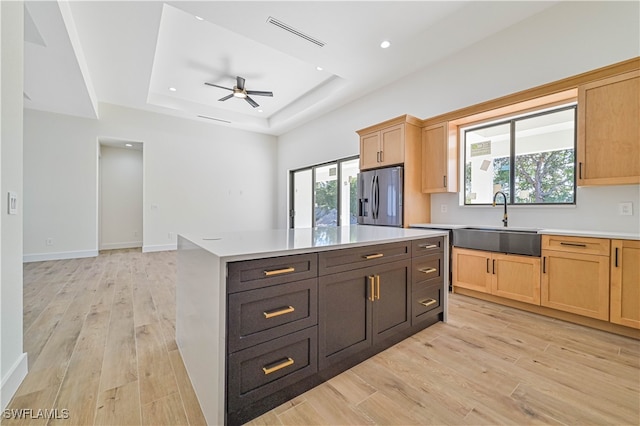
(296, 321)
(361, 308)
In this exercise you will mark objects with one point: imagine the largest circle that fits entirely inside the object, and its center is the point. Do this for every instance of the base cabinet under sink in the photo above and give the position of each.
(505, 275)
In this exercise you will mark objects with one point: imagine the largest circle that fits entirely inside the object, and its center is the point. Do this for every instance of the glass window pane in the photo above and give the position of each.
(302, 198)
(487, 167)
(544, 158)
(349, 195)
(326, 195)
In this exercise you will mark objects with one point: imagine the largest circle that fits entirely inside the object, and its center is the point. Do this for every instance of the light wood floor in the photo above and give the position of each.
(100, 337)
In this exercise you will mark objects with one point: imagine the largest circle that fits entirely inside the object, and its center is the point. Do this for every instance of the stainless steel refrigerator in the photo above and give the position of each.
(380, 197)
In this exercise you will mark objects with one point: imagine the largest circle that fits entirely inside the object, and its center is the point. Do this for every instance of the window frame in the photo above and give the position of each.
(512, 120)
(313, 168)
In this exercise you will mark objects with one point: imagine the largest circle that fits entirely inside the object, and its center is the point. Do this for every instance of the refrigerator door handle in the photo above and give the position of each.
(377, 197)
(373, 197)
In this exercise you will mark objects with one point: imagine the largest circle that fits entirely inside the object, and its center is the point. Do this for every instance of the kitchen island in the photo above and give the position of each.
(266, 315)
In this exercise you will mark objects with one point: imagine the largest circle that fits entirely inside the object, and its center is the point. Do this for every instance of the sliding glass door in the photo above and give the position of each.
(324, 194)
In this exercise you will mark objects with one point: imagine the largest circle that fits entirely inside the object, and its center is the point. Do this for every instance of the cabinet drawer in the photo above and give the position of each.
(426, 268)
(257, 316)
(586, 245)
(252, 274)
(426, 302)
(259, 371)
(331, 262)
(427, 246)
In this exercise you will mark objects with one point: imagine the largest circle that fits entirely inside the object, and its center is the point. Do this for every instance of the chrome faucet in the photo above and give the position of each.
(504, 218)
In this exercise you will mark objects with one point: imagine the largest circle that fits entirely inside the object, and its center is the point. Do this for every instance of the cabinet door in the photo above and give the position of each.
(609, 131)
(391, 308)
(392, 145)
(516, 277)
(471, 269)
(625, 283)
(369, 150)
(439, 160)
(344, 321)
(576, 283)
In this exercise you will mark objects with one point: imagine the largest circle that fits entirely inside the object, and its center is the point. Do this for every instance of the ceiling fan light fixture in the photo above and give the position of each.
(239, 94)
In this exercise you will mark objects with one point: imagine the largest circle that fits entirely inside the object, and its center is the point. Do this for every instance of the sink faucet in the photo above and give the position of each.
(504, 218)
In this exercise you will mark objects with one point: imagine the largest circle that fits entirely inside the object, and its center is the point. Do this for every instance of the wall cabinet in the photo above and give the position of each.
(439, 158)
(609, 131)
(575, 275)
(504, 275)
(625, 283)
(382, 147)
(398, 142)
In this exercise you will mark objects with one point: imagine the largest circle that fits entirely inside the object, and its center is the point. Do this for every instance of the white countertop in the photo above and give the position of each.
(545, 231)
(280, 242)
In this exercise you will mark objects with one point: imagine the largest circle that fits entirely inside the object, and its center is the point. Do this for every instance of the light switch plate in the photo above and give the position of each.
(625, 209)
(13, 203)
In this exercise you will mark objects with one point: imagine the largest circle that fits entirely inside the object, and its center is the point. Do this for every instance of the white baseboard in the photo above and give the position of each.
(39, 257)
(163, 247)
(11, 381)
(115, 246)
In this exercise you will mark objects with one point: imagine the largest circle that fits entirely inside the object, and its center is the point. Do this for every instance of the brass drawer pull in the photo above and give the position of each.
(573, 244)
(428, 246)
(268, 369)
(428, 302)
(428, 270)
(373, 256)
(279, 312)
(279, 271)
(378, 287)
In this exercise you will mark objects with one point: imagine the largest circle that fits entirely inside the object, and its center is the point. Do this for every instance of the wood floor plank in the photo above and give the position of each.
(157, 379)
(119, 406)
(188, 395)
(166, 411)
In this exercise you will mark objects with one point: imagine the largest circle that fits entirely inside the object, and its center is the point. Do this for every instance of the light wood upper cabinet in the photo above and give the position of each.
(439, 159)
(625, 283)
(383, 147)
(397, 142)
(573, 279)
(609, 131)
(504, 275)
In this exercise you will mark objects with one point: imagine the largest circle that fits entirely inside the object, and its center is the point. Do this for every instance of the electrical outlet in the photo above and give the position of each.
(170, 236)
(444, 208)
(625, 209)
(49, 241)
(135, 233)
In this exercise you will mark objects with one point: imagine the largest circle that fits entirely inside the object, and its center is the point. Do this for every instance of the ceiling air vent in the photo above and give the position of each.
(292, 30)
(214, 119)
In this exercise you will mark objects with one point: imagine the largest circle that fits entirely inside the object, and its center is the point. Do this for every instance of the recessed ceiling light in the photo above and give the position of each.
(199, 18)
(172, 89)
(260, 110)
(128, 145)
(385, 44)
(319, 68)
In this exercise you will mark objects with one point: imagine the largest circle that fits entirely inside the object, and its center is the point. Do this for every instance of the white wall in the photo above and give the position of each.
(13, 362)
(199, 177)
(564, 40)
(120, 197)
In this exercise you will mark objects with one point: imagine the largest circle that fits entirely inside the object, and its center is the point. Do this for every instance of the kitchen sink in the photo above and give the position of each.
(525, 241)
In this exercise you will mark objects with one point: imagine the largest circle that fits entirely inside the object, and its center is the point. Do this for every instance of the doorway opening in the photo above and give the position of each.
(120, 194)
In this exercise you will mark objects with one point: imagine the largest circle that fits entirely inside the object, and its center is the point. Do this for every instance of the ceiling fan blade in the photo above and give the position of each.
(259, 93)
(252, 102)
(215, 85)
(226, 97)
(240, 83)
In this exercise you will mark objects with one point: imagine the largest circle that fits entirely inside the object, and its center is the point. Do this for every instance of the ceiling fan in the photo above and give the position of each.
(240, 92)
